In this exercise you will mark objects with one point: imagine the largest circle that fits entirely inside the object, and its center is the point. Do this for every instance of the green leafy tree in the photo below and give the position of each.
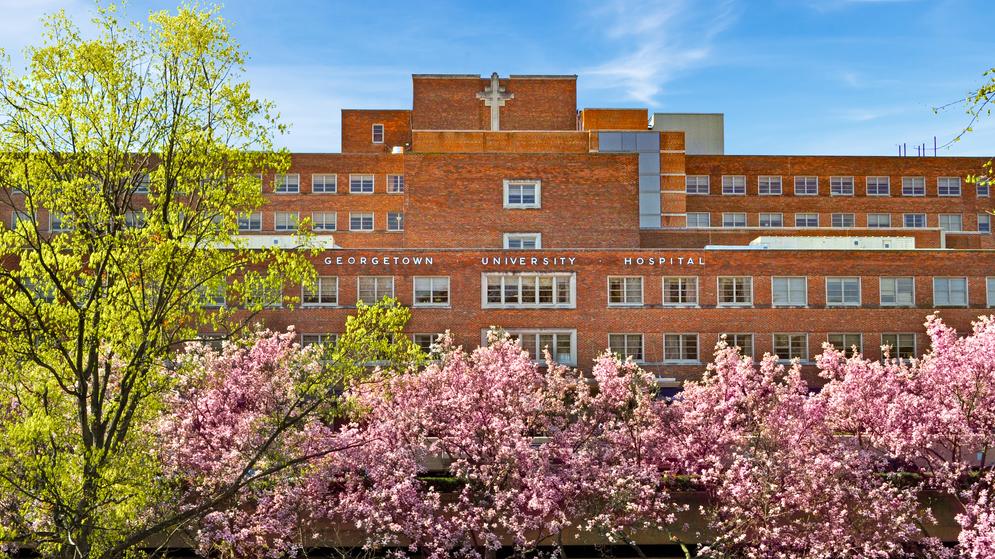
(127, 157)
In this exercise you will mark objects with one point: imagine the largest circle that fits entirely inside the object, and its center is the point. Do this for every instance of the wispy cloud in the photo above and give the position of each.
(830, 5)
(655, 41)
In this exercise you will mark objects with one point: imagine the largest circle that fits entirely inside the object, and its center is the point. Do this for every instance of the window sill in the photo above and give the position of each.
(626, 305)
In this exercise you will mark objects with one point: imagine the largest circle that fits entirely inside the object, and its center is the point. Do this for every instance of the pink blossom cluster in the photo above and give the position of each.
(489, 448)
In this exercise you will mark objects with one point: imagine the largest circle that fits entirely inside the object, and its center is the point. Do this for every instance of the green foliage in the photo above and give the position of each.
(92, 308)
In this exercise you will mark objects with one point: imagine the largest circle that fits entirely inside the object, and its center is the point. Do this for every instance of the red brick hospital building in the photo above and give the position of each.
(495, 202)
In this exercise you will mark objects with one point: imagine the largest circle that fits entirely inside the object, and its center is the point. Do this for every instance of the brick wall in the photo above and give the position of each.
(357, 130)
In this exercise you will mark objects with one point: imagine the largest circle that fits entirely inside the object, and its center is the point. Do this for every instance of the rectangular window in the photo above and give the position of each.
(395, 184)
(914, 221)
(432, 291)
(134, 219)
(17, 217)
(735, 219)
(789, 292)
(263, 295)
(425, 341)
(735, 291)
(626, 345)
(791, 346)
(769, 185)
(377, 133)
(370, 289)
(144, 181)
(559, 343)
(949, 292)
(743, 341)
(324, 292)
(843, 220)
(680, 291)
(521, 194)
(897, 292)
(990, 291)
(951, 222)
(841, 186)
(395, 221)
(287, 184)
(324, 184)
(361, 221)
(285, 221)
(733, 185)
(696, 184)
(878, 221)
(212, 296)
(324, 340)
(698, 220)
(948, 186)
(806, 186)
(879, 186)
(771, 220)
(843, 292)
(806, 220)
(522, 241)
(528, 291)
(324, 221)
(680, 348)
(361, 184)
(849, 343)
(983, 186)
(985, 223)
(625, 291)
(250, 222)
(901, 346)
(913, 186)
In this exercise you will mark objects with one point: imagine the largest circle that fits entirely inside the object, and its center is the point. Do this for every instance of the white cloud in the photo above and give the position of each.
(657, 41)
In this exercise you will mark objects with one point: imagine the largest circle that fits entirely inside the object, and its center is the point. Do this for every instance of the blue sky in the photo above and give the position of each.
(792, 77)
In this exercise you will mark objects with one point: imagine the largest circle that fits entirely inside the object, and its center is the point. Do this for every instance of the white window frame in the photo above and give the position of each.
(697, 185)
(641, 358)
(843, 219)
(323, 227)
(905, 222)
(376, 288)
(373, 133)
(952, 185)
(683, 360)
(291, 225)
(536, 183)
(989, 288)
(718, 292)
(317, 290)
(915, 183)
(361, 177)
(805, 358)
(844, 302)
(769, 215)
(983, 187)
(397, 225)
(883, 279)
(708, 219)
(507, 239)
(847, 348)
(967, 292)
(803, 180)
(947, 217)
(324, 183)
(877, 178)
(731, 343)
(735, 223)
(253, 224)
(734, 186)
(915, 343)
(282, 186)
(766, 185)
(558, 277)
(431, 290)
(536, 357)
(886, 215)
(987, 219)
(361, 216)
(625, 281)
(395, 183)
(681, 280)
(837, 186)
(790, 302)
(817, 218)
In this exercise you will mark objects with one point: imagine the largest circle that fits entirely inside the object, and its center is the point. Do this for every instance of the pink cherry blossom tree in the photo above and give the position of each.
(934, 415)
(781, 483)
